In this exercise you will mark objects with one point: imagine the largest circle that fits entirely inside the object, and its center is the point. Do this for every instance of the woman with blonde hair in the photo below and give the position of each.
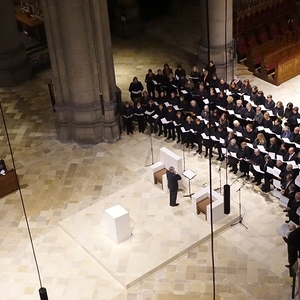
(260, 141)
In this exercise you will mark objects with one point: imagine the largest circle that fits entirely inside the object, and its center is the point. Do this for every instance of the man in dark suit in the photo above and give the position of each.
(293, 245)
(291, 155)
(173, 178)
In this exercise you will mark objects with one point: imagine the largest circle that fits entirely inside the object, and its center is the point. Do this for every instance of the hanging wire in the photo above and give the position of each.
(210, 168)
(21, 196)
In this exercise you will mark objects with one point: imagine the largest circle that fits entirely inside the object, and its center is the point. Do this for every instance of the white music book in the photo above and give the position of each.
(269, 170)
(217, 90)
(276, 183)
(276, 172)
(136, 92)
(189, 174)
(149, 112)
(257, 169)
(283, 201)
(164, 121)
(297, 181)
(272, 155)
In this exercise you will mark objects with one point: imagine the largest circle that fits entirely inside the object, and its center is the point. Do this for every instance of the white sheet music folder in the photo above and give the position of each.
(189, 174)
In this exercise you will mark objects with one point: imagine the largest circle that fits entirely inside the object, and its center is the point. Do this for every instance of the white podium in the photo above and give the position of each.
(217, 205)
(118, 223)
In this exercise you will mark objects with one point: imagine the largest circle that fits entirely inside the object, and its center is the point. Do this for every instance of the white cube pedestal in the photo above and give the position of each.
(118, 223)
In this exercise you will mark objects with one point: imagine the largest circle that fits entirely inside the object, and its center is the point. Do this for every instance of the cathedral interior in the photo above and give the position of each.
(73, 161)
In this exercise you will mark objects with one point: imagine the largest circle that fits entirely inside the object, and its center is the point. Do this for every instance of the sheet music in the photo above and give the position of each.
(149, 113)
(286, 140)
(276, 183)
(206, 101)
(279, 157)
(239, 134)
(155, 82)
(272, 155)
(250, 145)
(218, 91)
(183, 130)
(247, 97)
(276, 193)
(189, 174)
(220, 108)
(222, 141)
(284, 229)
(257, 169)
(176, 76)
(268, 130)
(276, 172)
(283, 201)
(136, 92)
(184, 92)
(214, 138)
(261, 148)
(155, 116)
(297, 181)
(262, 107)
(164, 121)
(204, 136)
(167, 104)
(229, 129)
(269, 170)
(233, 154)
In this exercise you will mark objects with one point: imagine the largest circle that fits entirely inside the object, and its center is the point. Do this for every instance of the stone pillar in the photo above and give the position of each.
(15, 67)
(80, 50)
(220, 33)
(127, 18)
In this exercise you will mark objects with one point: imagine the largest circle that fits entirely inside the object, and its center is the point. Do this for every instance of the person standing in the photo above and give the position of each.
(173, 177)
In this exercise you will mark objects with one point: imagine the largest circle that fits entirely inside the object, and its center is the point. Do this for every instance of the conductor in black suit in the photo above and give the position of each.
(173, 178)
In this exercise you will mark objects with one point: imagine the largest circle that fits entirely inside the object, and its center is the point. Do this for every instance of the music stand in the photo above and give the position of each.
(240, 208)
(151, 146)
(151, 149)
(189, 174)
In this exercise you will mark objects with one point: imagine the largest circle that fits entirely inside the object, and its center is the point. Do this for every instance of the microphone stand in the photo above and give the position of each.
(151, 146)
(240, 208)
(183, 152)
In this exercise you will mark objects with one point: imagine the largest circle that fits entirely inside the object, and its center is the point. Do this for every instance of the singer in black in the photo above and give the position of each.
(173, 178)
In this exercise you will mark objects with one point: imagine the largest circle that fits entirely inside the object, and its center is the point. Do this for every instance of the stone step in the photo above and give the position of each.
(242, 70)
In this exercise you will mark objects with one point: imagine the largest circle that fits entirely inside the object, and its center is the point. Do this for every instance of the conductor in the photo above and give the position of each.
(173, 178)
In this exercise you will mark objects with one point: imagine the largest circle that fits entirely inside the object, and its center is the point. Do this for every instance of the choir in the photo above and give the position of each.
(253, 133)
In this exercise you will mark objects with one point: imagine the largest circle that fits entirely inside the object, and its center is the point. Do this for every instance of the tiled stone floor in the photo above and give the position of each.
(60, 180)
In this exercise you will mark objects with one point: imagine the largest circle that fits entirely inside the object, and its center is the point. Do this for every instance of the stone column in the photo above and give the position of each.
(80, 50)
(220, 33)
(15, 67)
(127, 18)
